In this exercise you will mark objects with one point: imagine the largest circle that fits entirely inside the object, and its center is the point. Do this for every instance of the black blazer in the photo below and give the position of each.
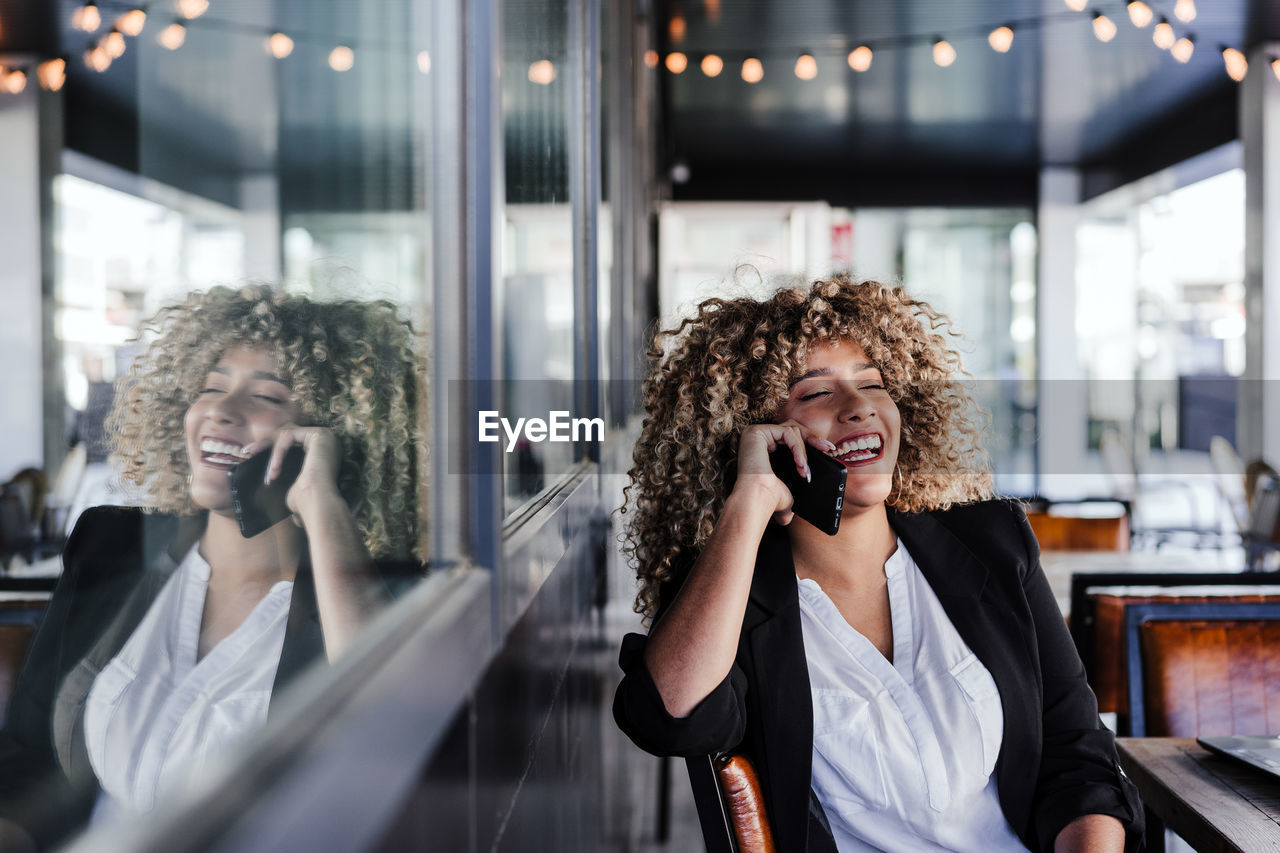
(115, 563)
(1056, 763)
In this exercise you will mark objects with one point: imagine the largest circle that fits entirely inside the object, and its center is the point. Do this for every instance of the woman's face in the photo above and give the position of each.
(842, 398)
(241, 402)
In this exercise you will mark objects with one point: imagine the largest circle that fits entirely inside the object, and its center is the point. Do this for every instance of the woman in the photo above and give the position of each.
(170, 633)
(907, 684)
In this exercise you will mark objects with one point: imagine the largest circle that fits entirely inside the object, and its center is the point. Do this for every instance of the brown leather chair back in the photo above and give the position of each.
(1069, 533)
(1107, 669)
(730, 804)
(744, 804)
(1204, 669)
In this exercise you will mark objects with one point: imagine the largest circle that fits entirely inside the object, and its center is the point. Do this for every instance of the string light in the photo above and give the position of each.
(15, 81)
(651, 58)
(943, 53)
(113, 42)
(676, 28)
(806, 66)
(1163, 35)
(712, 65)
(132, 22)
(1183, 48)
(1185, 11)
(860, 58)
(1103, 27)
(1001, 39)
(424, 62)
(1237, 66)
(1140, 13)
(173, 36)
(279, 45)
(341, 58)
(677, 62)
(190, 9)
(1077, 5)
(542, 72)
(52, 73)
(97, 58)
(752, 70)
(1275, 68)
(87, 17)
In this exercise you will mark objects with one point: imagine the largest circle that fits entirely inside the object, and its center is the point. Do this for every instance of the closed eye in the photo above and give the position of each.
(270, 399)
(814, 394)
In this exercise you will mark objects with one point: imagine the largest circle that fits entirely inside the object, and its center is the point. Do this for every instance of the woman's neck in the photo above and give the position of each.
(267, 558)
(857, 553)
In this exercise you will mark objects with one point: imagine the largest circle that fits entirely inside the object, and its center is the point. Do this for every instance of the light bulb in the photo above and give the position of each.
(860, 58)
(712, 65)
(1001, 39)
(341, 58)
(542, 72)
(1185, 10)
(424, 62)
(1183, 48)
(132, 22)
(806, 66)
(280, 45)
(1237, 66)
(52, 73)
(1077, 5)
(943, 53)
(1140, 13)
(114, 44)
(1163, 35)
(97, 58)
(650, 59)
(87, 17)
(15, 81)
(1103, 27)
(192, 8)
(172, 36)
(752, 70)
(1275, 68)
(677, 62)
(676, 28)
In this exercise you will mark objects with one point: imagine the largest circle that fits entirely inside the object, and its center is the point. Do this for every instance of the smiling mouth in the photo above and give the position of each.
(859, 451)
(221, 454)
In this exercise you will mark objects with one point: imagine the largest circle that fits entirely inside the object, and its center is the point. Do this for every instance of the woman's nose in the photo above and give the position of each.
(228, 408)
(855, 405)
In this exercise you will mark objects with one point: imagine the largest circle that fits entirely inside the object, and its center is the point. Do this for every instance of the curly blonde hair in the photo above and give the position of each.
(353, 367)
(731, 365)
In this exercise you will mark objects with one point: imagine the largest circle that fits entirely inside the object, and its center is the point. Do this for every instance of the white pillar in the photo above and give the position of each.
(1061, 451)
(1258, 429)
(21, 388)
(260, 204)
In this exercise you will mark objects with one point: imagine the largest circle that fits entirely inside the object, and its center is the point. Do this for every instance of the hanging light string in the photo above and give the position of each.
(1001, 36)
(169, 23)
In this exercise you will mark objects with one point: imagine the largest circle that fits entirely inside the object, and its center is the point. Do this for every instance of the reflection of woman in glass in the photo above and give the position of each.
(907, 684)
(170, 632)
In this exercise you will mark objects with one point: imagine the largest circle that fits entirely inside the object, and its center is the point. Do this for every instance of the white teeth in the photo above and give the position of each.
(222, 448)
(865, 447)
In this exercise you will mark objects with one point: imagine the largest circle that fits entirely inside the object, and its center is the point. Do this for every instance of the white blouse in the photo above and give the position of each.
(903, 752)
(156, 715)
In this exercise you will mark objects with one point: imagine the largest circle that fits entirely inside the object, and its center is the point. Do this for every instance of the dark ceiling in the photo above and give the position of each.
(907, 131)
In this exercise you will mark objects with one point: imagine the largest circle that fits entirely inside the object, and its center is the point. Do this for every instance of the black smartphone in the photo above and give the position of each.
(260, 506)
(819, 501)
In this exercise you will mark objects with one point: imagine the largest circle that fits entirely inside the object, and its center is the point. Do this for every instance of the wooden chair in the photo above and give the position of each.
(1203, 668)
(20, 615)
(1100, 640)
(1075, 533)
(730, 804)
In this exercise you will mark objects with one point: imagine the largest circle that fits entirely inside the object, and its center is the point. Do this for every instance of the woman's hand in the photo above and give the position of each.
(316, 488)
(755, 473)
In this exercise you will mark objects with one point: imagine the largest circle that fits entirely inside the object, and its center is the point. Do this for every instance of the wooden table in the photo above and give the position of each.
(1214, 803)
